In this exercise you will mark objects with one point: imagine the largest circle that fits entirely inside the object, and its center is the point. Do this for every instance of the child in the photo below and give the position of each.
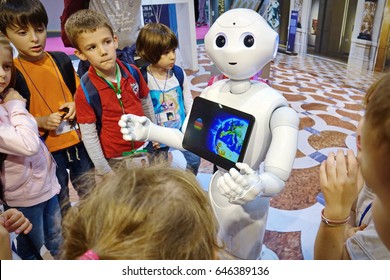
(28, 178)
(375, 158)
(50, 101)
(156, 43)
(118, 91)
(156, 213)
(11, 220)
(201, 14)
(340, 178)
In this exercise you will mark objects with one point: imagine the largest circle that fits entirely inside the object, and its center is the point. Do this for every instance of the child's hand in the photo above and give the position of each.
(156, 145)
(339, 184)
(351, 231)
(50, 122)
(68, 110)
(5, 247)
(12, 94)
(14, 221)
(100, 178)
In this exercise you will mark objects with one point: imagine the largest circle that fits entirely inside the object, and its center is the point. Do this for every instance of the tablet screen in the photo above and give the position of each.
(218, 133)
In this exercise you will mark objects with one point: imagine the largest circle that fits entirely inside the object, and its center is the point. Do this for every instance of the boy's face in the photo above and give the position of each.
(99, 48)
(167, 60)
(374, 165)
(30, 42)
(5, 68)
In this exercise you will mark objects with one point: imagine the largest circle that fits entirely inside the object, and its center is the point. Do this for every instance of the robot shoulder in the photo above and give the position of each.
(213, 91)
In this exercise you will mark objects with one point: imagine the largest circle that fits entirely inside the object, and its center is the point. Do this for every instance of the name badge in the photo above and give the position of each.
(167, 116)
(66, 126)
(137, 161)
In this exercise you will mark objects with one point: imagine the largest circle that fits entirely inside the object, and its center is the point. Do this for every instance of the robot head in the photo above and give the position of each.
(240, 43)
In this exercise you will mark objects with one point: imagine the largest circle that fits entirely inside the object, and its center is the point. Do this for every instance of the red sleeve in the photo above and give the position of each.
(84, 111)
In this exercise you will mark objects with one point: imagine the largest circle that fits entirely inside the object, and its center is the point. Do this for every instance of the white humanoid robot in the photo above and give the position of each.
(241, 43)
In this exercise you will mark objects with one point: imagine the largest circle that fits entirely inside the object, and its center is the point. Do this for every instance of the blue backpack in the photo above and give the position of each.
(93, 97)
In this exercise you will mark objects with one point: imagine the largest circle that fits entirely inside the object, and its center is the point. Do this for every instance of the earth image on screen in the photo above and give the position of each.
(227, 137)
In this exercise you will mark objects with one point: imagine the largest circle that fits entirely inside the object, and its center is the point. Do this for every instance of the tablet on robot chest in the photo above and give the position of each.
(218, 133)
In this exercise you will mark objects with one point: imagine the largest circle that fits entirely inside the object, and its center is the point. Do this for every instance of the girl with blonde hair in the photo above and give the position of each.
(156, 212)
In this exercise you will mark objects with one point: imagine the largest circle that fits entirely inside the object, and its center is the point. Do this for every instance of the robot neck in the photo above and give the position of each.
(239, 86)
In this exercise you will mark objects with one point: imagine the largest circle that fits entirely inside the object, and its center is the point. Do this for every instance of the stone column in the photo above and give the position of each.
(303, 7)
(298, 7)
(368, 19)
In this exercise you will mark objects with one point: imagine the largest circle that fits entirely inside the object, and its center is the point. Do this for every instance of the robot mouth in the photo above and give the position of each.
(232, 63)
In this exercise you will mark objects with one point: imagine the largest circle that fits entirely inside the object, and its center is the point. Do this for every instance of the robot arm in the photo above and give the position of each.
(240, 187)
(138, 128)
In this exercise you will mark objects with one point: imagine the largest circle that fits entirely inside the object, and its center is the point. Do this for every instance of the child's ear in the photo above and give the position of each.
(80, 55)
(115, 41)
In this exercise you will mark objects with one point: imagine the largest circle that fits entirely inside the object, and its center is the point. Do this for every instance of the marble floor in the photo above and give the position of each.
(327, 97)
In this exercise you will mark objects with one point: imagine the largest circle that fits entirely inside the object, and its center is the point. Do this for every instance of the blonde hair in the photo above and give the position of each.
(370, 92)
(84, 21)
(156, 212)
(5, 44)
(378, 111)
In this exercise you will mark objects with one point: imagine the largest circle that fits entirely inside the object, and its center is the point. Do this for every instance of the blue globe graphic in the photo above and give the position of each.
(228, 137)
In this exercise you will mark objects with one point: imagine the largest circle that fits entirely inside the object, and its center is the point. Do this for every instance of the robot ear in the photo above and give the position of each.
(269, 38)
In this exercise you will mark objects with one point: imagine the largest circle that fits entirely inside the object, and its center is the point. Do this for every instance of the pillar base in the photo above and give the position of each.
(362, 54)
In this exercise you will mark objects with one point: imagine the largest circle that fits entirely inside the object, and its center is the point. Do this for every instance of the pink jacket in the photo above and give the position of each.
(29, 171)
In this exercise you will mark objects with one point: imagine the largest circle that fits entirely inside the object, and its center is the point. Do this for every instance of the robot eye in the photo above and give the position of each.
(249, 41)
(220, 41)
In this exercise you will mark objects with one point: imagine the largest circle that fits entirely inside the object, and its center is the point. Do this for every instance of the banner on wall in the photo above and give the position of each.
(270, 11)
(165, 14)
(292, 31)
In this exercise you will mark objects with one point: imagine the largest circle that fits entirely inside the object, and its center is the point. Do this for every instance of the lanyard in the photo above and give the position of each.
(117, 90)
(118, 93)
(364, 213)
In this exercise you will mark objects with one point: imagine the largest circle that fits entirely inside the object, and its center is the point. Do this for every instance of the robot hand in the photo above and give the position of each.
(240, 186)
(135, 128)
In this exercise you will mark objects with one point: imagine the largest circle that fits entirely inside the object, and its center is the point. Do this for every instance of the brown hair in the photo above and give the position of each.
(4, 43)
(84, 21)
(21, 13)
(153, 40)
(156, 212)
(378, 110)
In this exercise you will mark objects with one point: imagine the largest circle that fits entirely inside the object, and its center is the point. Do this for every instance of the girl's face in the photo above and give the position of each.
(167, 60)
(6, 61)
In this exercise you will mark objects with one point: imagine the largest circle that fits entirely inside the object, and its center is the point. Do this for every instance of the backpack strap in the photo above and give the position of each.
(133, 72)
(65, 65)
(93, 99)
(21, 87)
(144, 72)
(92, 95)
(178, 72)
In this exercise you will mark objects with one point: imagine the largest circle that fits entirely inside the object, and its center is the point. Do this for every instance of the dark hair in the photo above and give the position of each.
(22, 13)
(153, 40)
